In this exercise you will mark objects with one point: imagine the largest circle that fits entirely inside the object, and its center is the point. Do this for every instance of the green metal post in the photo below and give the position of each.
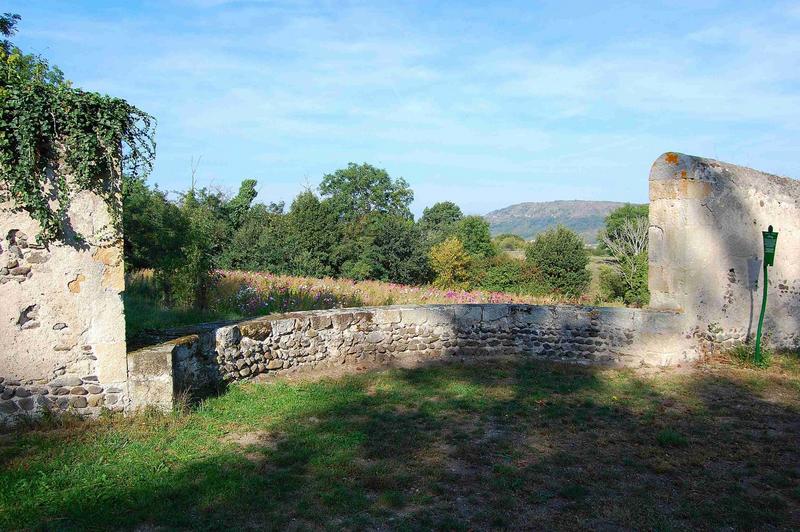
(770, 243)
(757, 354)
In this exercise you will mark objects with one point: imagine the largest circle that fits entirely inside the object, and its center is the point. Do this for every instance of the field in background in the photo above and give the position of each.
(236, 294)
(507, 445)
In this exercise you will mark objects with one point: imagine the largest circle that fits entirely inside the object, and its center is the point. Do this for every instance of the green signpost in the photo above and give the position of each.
(770, 242)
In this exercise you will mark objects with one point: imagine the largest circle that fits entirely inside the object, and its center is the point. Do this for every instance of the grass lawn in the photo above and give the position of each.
(493, 445)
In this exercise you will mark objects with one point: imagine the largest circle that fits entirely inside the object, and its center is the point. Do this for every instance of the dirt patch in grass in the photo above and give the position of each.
(501, 444)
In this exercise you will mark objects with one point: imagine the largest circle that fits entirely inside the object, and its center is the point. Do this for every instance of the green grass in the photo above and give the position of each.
(146, 314)
(458, 447)
(744, 354)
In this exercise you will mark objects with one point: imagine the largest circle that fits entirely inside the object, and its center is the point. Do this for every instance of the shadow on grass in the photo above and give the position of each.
(493, 445)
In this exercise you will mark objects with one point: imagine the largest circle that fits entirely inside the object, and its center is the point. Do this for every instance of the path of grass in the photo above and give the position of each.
(508, 445)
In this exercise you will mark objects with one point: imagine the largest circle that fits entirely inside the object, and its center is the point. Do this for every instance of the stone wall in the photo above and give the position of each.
(706, 248)
(62, 328)
(415, 335)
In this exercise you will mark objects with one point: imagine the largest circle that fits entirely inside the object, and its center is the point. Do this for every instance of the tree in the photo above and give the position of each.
(397, 251)
(314, 231)
(262, 243)
(561, 259)
(629, 249)
(358, 190)
(154, 227)
(236, 208)
(439, 222)
(451, 264)
(614, 221)
(8, 27)
(473, 232)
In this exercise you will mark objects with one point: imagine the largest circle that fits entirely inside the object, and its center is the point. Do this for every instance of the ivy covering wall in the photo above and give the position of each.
(56, 140)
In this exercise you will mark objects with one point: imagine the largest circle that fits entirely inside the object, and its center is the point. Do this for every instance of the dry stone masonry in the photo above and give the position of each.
(418, 334)
(408, 336)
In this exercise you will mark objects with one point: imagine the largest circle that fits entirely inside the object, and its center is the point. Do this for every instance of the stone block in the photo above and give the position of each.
(283, 327)
(387, 316)
(111, 361)
(494, 312)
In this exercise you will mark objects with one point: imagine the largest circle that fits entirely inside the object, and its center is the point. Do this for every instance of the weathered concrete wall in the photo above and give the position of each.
(706, 248)
(276, 345)
(62, 327)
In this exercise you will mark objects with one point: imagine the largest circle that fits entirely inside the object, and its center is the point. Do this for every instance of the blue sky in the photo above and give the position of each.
(482, 105)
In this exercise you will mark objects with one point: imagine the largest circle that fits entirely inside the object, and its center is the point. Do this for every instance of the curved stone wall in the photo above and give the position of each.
(414, 334)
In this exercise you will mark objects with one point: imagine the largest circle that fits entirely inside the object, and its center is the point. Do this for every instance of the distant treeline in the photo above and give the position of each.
(357, 225)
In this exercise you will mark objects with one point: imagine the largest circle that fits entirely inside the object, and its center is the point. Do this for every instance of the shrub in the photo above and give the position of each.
(451, 263)
(505, 274)
(560, 257)
(612, 286)
(509, 242)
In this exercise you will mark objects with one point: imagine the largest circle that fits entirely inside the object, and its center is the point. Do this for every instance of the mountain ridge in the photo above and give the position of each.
(528, 219)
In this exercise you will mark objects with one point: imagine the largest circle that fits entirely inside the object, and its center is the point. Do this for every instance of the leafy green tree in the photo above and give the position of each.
(629, 249)
(8, 27)
(238, 206)
(154, 227)
(361, 189)
(187, 282)
(451, 264)
(397, 252)
(262, 243)
(314, 231)
(439, 222)
(560, 256)
(473, 232)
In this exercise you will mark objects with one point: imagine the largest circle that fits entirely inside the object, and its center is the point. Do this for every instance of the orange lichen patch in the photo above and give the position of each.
(671, 158)
(75, 284)
(683, 173)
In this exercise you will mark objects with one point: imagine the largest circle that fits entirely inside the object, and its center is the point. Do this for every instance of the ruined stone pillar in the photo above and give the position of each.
(706, 249)
(62, 326)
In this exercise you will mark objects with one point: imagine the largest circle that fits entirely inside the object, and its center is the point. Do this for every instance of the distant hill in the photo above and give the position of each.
(529, 219)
